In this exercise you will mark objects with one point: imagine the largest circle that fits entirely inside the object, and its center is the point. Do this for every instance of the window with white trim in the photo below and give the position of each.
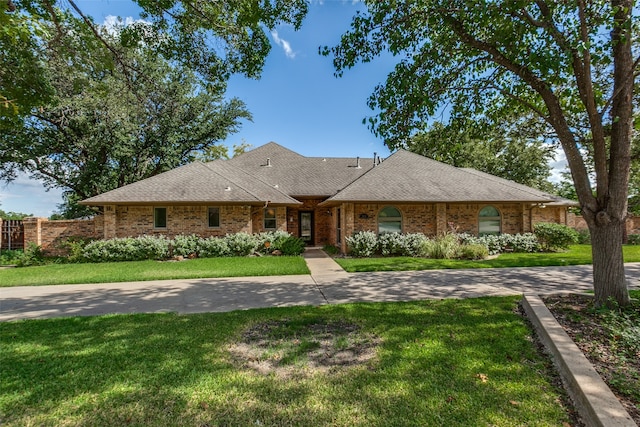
(489, 221)
(389, 220)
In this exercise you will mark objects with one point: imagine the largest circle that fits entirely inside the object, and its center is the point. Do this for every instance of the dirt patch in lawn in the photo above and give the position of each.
(286, 348)
(610, 339)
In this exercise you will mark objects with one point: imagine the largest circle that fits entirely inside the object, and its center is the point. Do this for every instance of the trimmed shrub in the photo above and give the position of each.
(413, 244)
(127, 249)
(186, 245)
(391, 244)
(269, 241)
(633, 239)
(555, 237)
(499, 243)
(213, 247)
(362, 243)
(473, 251)
(241, 244)
(584, 237)
(290, 245)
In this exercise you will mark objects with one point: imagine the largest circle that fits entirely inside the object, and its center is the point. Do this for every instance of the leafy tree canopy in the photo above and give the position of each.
(106, 126)
(214, 38)
(571, 63)
(13, 215)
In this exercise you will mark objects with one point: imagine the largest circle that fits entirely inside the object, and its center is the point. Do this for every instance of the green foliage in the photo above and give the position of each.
(213, 247)
(10, 257)
(127, 249)
(446, 246)
(473, 252)
(362, 243)
(32, 256)
(390, 244)
(633, 239)
(555, 237)
(242, 244)
(499, 243)
(185, 245)
(290, 245)
(13, 215)
(75, 246)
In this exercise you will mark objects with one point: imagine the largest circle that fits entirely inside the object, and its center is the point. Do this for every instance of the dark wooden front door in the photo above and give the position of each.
(306, 231)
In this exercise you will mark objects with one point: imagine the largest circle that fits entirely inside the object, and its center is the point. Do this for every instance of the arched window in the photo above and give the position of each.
(389, 220)
(489, 221)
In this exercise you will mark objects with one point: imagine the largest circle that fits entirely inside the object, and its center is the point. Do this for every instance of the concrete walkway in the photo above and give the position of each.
(327, 284)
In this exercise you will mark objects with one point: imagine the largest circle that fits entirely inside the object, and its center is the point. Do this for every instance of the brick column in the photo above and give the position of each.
(33, 230)
(0, 233)
(109, 222)
(441, 218)
(347, 219)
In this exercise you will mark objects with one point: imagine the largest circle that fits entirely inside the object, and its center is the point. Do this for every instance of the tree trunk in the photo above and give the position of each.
(609, 281)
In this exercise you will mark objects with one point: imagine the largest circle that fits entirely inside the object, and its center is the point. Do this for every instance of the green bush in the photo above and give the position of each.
(213, 247)
(473, 251)
(269, 241)
(127, 249)
(442, 247)
(362, 243)
(499, 243)
(290, 245)
(10, 257)
(75, 246)
(241, 244)
(555, 237)
(633, 239)
(185, 246)
(390, 244)
(584, 237)
(32, 256)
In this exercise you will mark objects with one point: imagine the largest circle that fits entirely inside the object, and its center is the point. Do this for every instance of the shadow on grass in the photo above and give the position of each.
(468, 362)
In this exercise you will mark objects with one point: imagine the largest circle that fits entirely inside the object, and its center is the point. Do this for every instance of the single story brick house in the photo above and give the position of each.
(322, 200)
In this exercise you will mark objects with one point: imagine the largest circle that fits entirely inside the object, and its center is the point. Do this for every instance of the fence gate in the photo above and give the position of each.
(12, 235)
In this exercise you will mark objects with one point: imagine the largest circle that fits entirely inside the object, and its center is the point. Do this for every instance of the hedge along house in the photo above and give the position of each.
(322, 200)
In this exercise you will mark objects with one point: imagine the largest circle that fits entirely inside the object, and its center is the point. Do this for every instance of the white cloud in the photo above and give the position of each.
(30, 196)
(558, 165)
(284, 44)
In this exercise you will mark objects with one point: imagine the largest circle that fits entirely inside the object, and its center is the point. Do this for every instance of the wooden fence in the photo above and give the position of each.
(11, 234)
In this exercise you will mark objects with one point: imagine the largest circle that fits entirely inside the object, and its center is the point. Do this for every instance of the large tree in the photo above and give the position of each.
(214, 38)
(572, 63)
(103, 129)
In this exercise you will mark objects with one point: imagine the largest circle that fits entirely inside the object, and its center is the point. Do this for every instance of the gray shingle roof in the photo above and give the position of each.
(275, 174)
(217, 182)
(409, 177)
(301, 176)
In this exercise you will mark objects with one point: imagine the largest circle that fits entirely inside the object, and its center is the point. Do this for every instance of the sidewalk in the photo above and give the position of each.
(327, 284)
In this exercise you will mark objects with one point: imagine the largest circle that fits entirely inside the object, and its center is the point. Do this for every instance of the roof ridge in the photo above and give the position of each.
(235, 168)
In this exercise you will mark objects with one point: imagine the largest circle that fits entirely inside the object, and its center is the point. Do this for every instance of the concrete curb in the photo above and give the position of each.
(595, 402)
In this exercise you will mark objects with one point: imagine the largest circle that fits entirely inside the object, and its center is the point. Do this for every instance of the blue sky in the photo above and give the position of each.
(297, 103)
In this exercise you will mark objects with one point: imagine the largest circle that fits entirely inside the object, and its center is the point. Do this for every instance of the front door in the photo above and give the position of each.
(306, 227)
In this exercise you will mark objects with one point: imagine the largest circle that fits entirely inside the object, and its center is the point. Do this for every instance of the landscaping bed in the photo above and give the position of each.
(609, 339)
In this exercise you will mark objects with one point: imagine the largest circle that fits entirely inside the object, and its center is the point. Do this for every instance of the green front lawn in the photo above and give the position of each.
(56, 274)
(434, 363)
(577, 255)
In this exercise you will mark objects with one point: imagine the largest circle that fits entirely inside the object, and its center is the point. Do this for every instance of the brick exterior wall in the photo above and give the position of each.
(138, 220)
(324, 221)
(51, 235)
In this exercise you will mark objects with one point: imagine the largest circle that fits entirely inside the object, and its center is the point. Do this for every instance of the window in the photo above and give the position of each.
(389, 220)
(270, 219)
(489, 221)
(160, 217)
(214, 217)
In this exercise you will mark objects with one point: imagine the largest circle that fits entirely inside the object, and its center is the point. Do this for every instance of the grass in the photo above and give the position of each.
(577, 255)
(449, 362)
(55, 274)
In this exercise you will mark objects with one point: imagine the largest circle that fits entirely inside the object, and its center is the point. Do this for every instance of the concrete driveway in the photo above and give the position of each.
(323, 286)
